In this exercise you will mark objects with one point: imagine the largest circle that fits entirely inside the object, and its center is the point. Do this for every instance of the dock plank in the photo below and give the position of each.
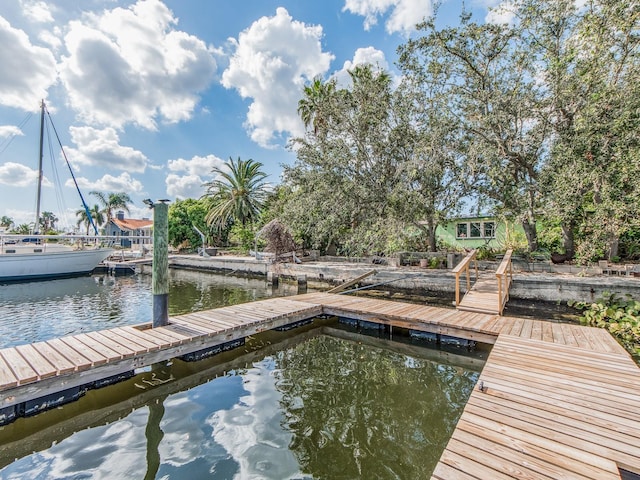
(39, 363)
(21, 369)
(62, 364)
(80, 361)
(122, 350)
(7, 378)
(94, 357)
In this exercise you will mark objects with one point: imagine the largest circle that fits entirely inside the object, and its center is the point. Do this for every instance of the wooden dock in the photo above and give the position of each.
(557, 400)
(490, 291)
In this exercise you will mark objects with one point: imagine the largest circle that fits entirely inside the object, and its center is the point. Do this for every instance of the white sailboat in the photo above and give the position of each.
(48, 256)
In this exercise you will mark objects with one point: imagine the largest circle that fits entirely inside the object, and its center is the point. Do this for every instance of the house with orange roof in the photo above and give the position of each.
(133, 232)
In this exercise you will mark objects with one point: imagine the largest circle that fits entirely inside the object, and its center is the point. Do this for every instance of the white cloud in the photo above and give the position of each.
(404, 16)
(195, 172)
(102, 148)
(36, 11)
(252, 429)
(17, 175)
(502, 13)
(9, 131)
(27, 70)
(51, 38)
(273, 59)
(130, 65)
(362, 56)
(108, 183)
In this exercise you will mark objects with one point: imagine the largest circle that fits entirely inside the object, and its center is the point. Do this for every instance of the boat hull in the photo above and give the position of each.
(17, 267)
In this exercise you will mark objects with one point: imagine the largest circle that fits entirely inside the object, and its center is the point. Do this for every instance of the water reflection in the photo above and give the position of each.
(297, 406)
(36, 311)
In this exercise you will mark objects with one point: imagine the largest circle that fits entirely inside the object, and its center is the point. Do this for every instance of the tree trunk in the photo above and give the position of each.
(531, 234)
(568, 239)
(614, 242)
(431, 235)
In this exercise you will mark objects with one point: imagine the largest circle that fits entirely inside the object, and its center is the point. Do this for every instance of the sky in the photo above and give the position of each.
(148, 96)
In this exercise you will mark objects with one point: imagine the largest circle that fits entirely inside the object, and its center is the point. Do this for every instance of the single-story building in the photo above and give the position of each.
(479, 231)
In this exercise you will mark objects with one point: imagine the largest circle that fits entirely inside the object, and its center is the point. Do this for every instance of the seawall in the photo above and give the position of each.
(527, 288)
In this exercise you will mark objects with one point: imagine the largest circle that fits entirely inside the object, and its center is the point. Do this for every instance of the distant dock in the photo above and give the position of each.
(553, 400)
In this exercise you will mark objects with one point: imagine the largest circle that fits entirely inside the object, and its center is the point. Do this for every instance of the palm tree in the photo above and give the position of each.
(96, 214)
(6, 221)
(314, 107)
(237, 194)
(48, 221)
(111, 202)
(23, 228)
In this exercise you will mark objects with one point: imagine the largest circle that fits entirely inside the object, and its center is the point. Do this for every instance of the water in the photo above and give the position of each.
(320, 402)
(36, 311)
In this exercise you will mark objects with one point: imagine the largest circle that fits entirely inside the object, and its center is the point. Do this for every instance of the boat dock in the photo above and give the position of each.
(553, 400)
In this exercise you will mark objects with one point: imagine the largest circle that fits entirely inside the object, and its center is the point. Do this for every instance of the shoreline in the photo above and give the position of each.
(529, 290)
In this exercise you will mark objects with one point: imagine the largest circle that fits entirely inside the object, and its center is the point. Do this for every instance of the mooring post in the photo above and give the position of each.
(302, 284)
(160, 276)
(273, 279)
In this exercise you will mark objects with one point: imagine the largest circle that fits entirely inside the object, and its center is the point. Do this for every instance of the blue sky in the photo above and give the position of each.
(149, 96)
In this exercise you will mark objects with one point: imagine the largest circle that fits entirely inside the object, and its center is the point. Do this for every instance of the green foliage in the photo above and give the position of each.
(236, 194)
(6, 221)
(244, 236)
(550, 237)
(618, 315)
(630, 245)
(372, 165)
(96, 214)
(485, 253)
(111, 202)
(183, 215)
(23, 228)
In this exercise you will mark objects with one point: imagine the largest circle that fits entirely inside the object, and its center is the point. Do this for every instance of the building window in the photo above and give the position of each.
(489, 230)
(476, 230)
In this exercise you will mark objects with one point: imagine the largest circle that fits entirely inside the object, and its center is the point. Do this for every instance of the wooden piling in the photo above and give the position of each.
(160, 277)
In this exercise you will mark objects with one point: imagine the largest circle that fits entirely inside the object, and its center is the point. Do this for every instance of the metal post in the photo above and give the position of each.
(160, 277)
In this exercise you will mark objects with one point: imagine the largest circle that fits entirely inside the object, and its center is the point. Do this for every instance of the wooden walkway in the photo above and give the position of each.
(490, 291)
(32, 371)
(558, 400)
(483, 296)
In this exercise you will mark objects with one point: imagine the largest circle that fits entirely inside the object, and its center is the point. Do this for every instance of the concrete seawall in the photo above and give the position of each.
(527, 287)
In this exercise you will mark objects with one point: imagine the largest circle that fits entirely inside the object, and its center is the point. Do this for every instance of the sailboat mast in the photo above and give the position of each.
(36, 227)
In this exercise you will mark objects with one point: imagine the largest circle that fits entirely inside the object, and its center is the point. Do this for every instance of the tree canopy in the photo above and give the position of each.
(236, 194)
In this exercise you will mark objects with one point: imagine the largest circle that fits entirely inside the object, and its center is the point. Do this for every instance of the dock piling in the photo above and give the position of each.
(160, 275)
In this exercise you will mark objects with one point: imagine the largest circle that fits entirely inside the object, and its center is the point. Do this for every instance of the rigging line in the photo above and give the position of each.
(56, 178)
(4, 144)
(84, 204)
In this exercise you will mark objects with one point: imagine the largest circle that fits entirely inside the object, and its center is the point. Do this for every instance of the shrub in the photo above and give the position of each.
(618, 315)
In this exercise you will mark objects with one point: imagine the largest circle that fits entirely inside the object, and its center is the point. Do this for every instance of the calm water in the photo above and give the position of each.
(36, 311)
(317, 403)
